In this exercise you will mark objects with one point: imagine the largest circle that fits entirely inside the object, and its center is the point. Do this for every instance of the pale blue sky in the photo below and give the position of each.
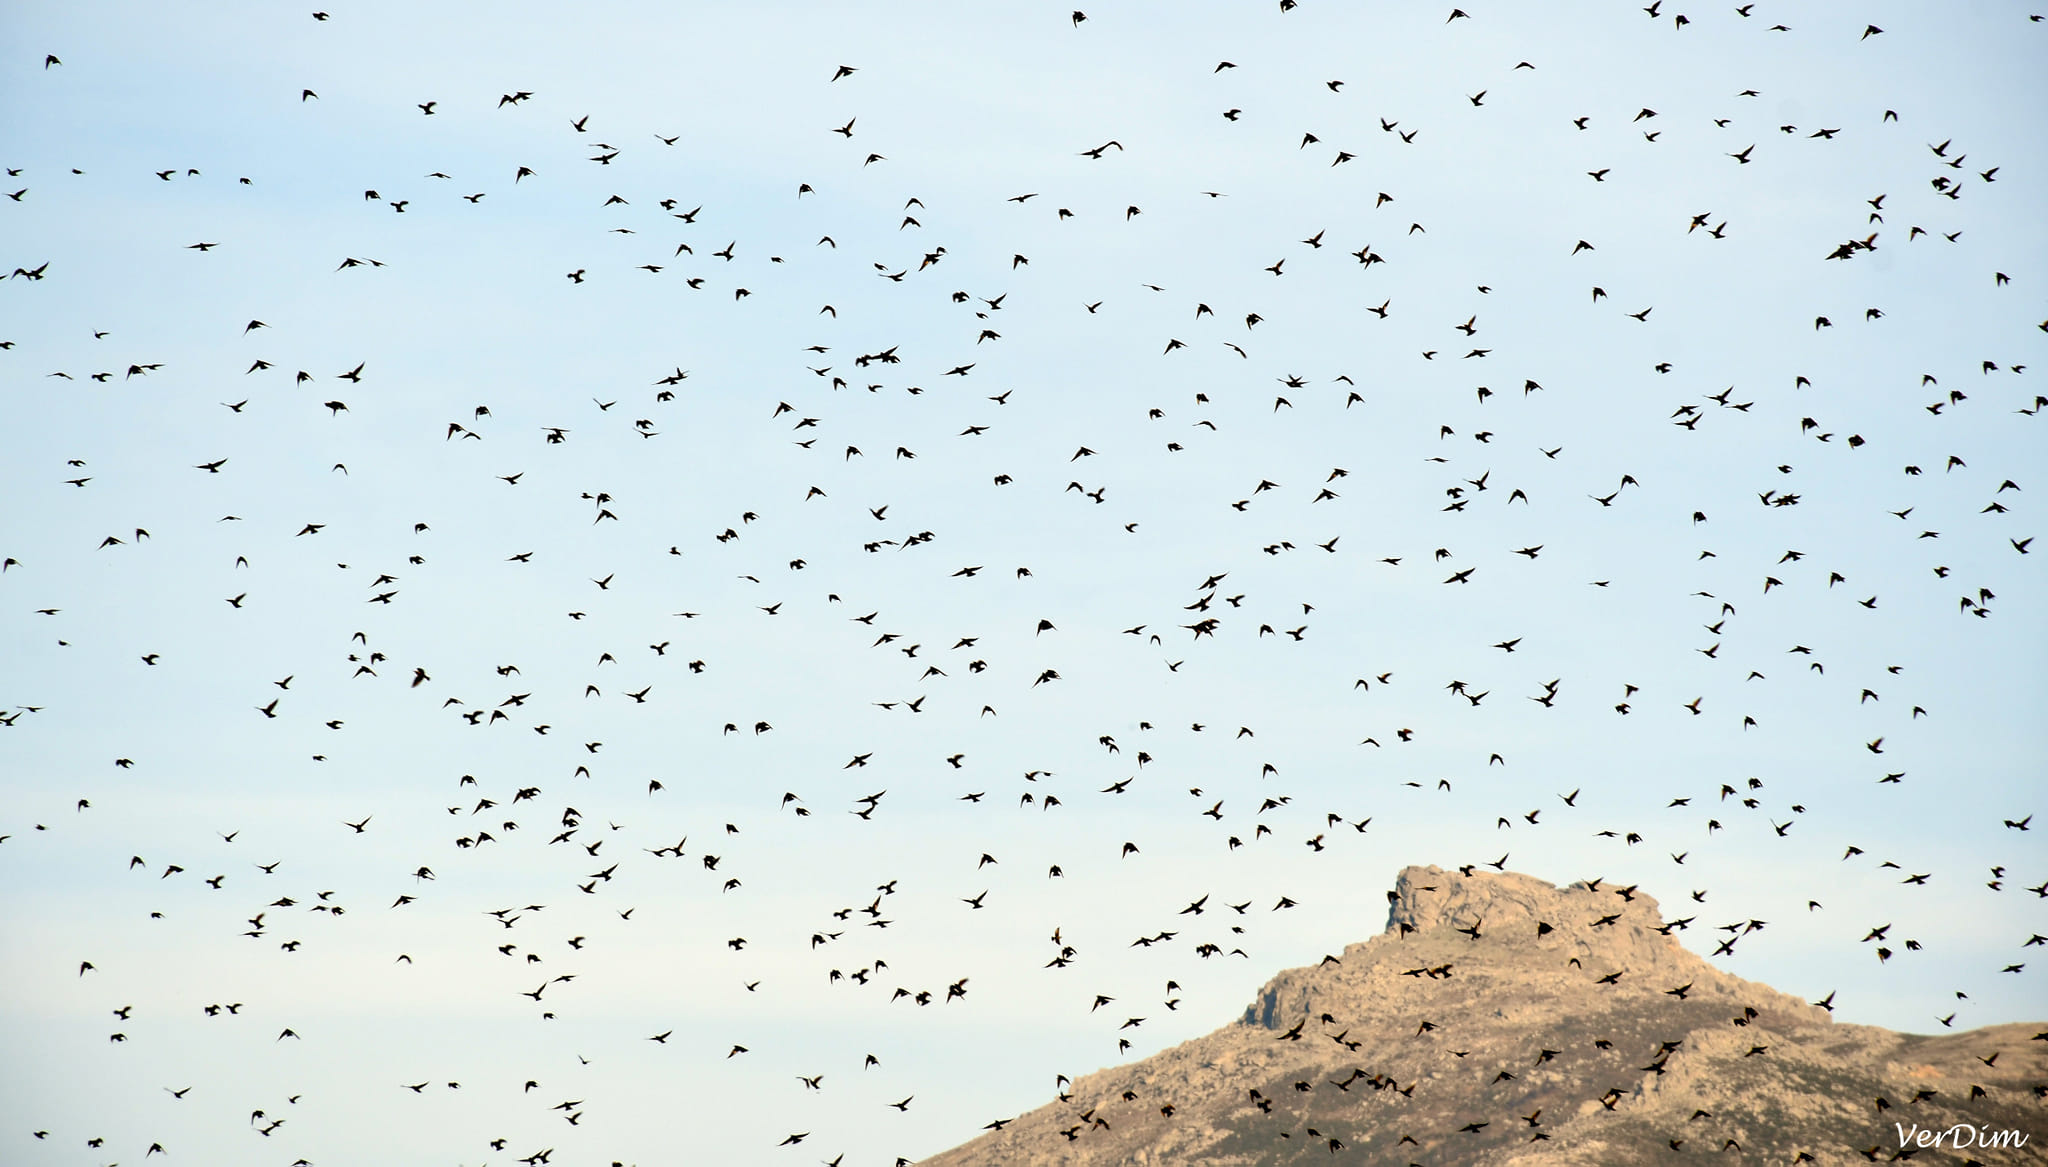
(969, 107)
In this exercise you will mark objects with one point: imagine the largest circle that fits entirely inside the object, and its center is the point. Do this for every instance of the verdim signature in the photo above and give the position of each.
(1959, 1136)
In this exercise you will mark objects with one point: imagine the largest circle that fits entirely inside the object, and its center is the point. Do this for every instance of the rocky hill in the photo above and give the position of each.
(1502, 1021)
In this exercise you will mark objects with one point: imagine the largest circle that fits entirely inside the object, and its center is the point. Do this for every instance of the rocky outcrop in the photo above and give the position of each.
(1502, 1020)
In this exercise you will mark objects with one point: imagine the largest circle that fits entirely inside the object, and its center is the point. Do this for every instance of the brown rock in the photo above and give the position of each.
(1465, 1014)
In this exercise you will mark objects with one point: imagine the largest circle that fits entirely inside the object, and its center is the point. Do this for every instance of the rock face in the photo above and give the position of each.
(1502, 1021)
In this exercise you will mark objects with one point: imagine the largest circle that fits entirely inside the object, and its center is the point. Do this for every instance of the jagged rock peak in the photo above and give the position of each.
(1592, 918)
(1525, 928)
(1430, 897)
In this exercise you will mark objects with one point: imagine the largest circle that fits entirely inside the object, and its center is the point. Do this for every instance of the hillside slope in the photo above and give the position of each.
(1500, 1020)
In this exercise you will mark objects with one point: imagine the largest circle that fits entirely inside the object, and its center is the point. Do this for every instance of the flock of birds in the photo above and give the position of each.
(824, 479)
